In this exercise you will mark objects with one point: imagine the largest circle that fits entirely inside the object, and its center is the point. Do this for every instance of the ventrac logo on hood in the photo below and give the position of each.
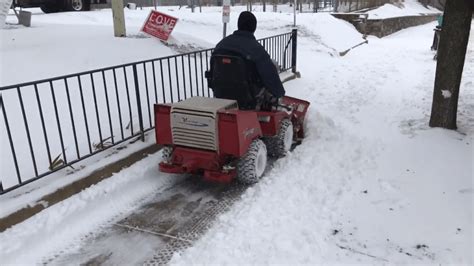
(191, 122)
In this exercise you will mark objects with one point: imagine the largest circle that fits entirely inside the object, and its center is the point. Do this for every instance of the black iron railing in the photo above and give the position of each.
(50, 124)
(314, 6)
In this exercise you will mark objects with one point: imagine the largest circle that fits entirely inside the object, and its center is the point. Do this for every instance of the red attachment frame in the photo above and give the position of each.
(298, 114)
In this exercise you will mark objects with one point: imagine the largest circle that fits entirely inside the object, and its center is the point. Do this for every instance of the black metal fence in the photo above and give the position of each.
(314, 6)
(48, 125)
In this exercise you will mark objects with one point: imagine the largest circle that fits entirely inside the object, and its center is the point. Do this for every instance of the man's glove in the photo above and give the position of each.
(274, 101)
(270, 99)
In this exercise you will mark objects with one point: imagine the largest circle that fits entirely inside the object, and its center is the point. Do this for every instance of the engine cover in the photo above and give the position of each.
(194, 121)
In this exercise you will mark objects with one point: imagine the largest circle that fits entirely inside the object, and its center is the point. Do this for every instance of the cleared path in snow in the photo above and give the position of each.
(164, 224)
(168, 222)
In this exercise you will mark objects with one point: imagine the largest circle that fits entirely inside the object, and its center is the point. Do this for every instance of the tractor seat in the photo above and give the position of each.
(235, 78)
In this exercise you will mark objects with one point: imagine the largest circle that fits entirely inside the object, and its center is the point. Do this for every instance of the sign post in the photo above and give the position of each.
(294, 13)
(225, 14)
(119, 18)
(159, 25)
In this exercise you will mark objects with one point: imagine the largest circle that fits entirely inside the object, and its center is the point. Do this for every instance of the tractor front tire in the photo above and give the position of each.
(251, 166)
(280, 144)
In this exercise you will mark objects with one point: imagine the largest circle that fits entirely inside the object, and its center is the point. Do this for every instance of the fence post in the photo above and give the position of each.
(294, 34)
(139, 104)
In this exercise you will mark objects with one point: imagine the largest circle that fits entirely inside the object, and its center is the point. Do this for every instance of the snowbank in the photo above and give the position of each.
(402, 9)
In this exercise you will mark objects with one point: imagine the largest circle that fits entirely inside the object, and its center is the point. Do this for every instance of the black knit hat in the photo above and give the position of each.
(247, 22)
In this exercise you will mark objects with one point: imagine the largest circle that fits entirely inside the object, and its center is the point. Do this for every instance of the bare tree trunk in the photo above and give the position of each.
(451, 55)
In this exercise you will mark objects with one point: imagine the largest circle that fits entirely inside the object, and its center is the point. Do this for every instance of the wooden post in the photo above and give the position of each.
(119, 18)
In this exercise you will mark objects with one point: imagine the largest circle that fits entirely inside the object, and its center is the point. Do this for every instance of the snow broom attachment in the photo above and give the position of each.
(299, 107)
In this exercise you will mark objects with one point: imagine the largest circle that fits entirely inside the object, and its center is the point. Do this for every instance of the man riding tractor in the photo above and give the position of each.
(262, 76)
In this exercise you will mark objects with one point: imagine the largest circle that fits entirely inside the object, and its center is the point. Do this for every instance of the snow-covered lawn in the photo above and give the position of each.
(401, 9)
(371, 184)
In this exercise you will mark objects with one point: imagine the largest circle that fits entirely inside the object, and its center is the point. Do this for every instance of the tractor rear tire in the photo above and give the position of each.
(251, 166)
(280, 144)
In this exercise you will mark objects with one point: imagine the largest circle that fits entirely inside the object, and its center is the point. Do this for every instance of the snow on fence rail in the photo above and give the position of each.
(50, 124)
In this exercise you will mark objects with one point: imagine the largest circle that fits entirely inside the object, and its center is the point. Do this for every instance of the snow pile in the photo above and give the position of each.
(64, 225)
(328, 32)
(402, 9)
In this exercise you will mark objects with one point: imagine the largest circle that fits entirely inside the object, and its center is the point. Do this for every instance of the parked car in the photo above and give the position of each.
(51, 6)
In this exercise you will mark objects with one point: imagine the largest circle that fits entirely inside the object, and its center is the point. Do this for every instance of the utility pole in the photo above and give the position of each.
(119, 18)
(294, 14)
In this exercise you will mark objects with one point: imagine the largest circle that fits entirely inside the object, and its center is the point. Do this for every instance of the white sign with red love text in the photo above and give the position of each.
(159, 25)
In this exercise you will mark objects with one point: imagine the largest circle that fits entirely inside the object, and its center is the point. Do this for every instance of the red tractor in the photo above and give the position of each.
(214, 138)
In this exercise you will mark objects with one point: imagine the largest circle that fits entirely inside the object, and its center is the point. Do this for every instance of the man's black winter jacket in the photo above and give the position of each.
(245, 44)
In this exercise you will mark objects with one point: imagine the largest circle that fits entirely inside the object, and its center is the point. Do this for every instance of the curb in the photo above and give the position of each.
(75, 187)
